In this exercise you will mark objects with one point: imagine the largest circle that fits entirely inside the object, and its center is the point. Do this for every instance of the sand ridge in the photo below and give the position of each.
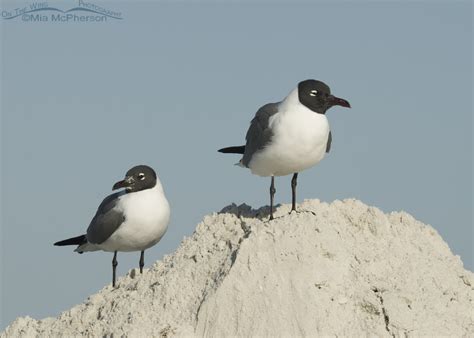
(342, 268)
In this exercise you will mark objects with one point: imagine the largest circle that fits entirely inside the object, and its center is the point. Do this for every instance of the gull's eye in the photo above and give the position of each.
(313, 92)
(141, 176)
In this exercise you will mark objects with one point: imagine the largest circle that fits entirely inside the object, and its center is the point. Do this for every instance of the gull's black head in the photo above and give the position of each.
(316, 96)
(138, 178)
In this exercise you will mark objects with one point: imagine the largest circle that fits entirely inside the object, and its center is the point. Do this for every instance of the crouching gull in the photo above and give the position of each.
(289, 136)
(133, 219)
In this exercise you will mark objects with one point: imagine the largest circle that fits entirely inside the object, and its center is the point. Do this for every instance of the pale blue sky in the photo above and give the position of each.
(172, 82)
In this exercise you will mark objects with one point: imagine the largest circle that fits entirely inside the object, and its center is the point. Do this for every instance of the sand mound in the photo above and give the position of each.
(331, 269)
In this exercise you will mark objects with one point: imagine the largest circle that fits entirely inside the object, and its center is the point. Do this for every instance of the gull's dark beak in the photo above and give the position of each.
(336, 101)
(126, 183)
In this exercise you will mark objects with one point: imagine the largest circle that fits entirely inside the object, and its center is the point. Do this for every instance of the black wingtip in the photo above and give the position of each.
(72, 241)
(233, 150)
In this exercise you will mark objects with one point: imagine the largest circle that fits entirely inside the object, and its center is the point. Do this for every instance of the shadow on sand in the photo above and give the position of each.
(246, 211)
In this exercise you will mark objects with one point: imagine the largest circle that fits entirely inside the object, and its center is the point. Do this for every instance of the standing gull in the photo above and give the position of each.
(289, 136)
(133, 219)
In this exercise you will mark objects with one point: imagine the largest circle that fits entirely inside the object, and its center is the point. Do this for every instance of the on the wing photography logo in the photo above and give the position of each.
(82, 11)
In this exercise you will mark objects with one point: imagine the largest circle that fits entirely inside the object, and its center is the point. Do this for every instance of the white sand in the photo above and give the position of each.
(331, 269)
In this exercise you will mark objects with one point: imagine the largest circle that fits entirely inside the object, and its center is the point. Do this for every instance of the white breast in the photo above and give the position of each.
(147, 214)
(299, 140)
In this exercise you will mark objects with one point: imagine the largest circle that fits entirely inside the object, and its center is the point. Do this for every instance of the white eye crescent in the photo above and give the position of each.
(313, 92)
(141, 176)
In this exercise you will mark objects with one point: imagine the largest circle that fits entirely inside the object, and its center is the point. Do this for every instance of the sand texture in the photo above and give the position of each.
(343, 268)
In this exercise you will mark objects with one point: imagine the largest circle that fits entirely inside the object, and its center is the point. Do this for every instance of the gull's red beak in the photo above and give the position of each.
(336, 101)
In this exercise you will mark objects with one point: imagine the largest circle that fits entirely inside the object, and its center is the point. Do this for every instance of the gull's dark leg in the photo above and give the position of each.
(272, 195)
(114, 267)
(293, 191)
(142, 260)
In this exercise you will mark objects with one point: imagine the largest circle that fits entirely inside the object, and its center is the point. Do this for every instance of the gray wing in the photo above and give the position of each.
(328, 145)
(106, 220)
(259, 133)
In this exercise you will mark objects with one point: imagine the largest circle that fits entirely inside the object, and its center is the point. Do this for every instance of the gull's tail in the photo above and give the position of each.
(79, 240)
(233, 150)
